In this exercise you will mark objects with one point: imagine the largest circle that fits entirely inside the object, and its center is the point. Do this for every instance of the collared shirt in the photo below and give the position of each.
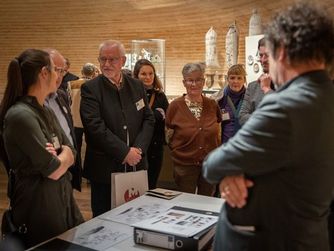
(52, 103)
(119, 85)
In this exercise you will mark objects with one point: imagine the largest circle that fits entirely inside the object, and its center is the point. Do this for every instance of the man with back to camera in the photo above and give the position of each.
(118, 124)
(257, 89)
(276, 174)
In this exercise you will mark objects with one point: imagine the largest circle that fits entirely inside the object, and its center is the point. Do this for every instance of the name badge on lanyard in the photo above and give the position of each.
(225, 115)
(140, 104)
(55, 142)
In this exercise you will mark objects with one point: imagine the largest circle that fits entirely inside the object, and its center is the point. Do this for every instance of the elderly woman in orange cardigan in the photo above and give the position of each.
(192, 121)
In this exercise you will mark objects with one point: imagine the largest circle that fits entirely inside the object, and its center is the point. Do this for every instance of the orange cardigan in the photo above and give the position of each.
(192, 139)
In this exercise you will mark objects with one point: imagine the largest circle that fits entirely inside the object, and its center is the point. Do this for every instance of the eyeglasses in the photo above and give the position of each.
(196, 81)
(263, 55)
(104, 60)
(60, 70)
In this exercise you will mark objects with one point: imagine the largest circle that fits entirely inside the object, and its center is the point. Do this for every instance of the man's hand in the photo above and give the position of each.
(234, 189)
(265, 81)
(133, 157)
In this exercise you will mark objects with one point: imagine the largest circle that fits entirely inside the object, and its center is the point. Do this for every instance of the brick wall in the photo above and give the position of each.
(77, 27)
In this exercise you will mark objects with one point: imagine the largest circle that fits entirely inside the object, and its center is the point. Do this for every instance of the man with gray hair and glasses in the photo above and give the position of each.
(59, 103)
(118, 124)
(277, 174)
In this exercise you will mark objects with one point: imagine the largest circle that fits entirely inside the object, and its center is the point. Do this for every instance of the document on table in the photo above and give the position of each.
(101, 236)
(137, 210)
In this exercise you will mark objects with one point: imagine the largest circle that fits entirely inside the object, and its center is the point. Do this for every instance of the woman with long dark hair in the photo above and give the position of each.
(144, 70)
(38, 152)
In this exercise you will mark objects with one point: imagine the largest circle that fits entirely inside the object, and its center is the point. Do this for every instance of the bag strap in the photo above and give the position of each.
(235, 112)
(230, 103)
(152, 100)
(134, 168)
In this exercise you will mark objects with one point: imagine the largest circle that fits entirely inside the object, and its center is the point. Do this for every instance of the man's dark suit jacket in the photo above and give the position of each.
(114, 120)
(67, 77)
(76, 169)
(286, 147)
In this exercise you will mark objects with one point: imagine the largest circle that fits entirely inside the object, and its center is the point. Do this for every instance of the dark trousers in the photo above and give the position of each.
(100, 198)
(228, 237)
(79, 132)
(331, 226)
(154, 159)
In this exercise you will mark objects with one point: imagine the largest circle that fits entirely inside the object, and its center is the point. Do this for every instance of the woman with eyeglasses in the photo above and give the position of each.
(144, 70)
(37, 151)
(230, 102)
(192, 121)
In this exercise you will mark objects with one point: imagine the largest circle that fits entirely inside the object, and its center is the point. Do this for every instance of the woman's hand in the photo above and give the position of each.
(66, 158)
(162, 112)
(51, 149)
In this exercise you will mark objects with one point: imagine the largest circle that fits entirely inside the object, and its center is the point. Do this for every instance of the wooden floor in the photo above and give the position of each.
(82, 198)
(3, 190)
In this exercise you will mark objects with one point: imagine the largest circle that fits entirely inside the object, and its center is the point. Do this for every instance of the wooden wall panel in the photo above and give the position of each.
(77, 27)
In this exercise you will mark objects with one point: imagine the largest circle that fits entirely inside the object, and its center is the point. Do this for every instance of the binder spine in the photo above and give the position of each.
(163, 240)
(154, 239)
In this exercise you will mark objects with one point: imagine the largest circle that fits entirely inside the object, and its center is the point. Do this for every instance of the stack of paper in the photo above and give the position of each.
(163, 193)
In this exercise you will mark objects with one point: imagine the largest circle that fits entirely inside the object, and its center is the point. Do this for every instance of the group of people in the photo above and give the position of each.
(197, 124)
(276, 173)
(273, 167)
(41, 140)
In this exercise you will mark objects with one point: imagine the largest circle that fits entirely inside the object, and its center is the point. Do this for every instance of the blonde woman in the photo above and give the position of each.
(231, 101)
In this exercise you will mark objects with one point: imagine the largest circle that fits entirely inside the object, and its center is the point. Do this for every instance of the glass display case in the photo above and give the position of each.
(253, 64)
(153, 50)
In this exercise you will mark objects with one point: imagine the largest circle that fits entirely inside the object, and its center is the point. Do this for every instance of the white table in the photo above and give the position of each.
(125, 231)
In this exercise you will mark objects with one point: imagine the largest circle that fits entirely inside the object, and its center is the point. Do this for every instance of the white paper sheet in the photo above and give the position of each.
(103, 236)
(137, 210)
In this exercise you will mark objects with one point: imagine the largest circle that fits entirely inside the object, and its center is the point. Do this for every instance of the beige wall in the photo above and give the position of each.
(77, 27)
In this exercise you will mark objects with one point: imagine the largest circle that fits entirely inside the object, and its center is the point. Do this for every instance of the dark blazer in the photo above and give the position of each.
(108, 116)
(160, 101)
(67, 77)
(76, 169)
(155, 150)
(286, 147)
(253, 97)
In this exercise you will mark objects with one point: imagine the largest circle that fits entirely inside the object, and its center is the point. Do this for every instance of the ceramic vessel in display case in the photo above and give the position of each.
(231, 45)
(255, 25)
